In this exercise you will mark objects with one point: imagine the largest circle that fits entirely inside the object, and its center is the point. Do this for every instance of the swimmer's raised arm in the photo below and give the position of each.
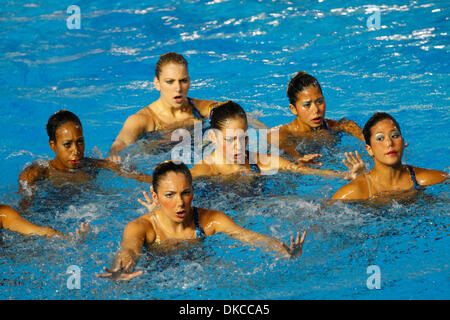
(290, 148)
(205, 106)
(136, 125)
(110, 165)
(136, 234)
(218, 221)
(10, 219)
(30, 175)
(27, 178)
(348, 126)
(355, 164)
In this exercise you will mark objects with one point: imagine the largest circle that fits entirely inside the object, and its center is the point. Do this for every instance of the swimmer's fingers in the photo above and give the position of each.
(302, 240)
(353, 158)
(80, 233)
(310, 159)
(110, 274)
(129, 276)
(148, 203)
(129, 266)
(114, 158)
(296, 247)
(147, 197)
(355, 165)
(84, 228)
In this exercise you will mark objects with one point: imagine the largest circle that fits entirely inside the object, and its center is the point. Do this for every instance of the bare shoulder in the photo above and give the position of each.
(340, 124)
(334, 124)
(428, 177)
(213, 221)
(141, 227)
(33, 172)
(202, 168)
(204, 106)
(7, 215)
(6, 210)
(354, 190)
(141, 119)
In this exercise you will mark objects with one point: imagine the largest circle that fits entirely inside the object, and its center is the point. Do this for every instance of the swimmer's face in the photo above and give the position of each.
(386, 143)
(173, 84)
(310, 107)
(69, 146)
(174, 194)
(232, 140)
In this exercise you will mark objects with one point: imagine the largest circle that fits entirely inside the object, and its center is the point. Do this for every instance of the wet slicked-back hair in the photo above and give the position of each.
(58, 119)
(374, 119)
(225, 111)
(163, 168)
(298, 83)
(170, 57)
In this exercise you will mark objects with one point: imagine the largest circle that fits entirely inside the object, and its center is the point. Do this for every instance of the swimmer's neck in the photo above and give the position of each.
(298, 126)
(170, 227)
(387, 175)
(161, 107)
(220, 162)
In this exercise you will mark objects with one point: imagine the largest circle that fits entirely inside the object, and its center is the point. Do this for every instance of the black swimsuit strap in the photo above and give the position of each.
(417, 186)
(195, 111)
(198, 228)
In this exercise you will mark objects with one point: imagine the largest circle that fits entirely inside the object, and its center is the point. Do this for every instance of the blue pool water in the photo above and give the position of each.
(245, 51)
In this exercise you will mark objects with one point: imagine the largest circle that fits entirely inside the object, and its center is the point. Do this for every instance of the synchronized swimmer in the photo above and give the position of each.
(389, 176)
(307, 103)
(67, 141)
(171, 217)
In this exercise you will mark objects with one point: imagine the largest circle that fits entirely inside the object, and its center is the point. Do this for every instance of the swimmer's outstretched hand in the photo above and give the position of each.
(114, 158)
(148, 203)
(120, 273)
(296, 247)
(309, 159)
(354, 164)
(80, 234)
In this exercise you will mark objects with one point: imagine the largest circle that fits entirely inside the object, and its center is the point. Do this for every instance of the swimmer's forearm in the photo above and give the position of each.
(117, 146)
(350, 127)
(259, 240)
(28, 229)
(139, 177)
(319, 172)
(127, 259)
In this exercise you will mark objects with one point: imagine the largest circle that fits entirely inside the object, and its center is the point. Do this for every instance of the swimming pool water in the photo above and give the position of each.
(245, 51)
